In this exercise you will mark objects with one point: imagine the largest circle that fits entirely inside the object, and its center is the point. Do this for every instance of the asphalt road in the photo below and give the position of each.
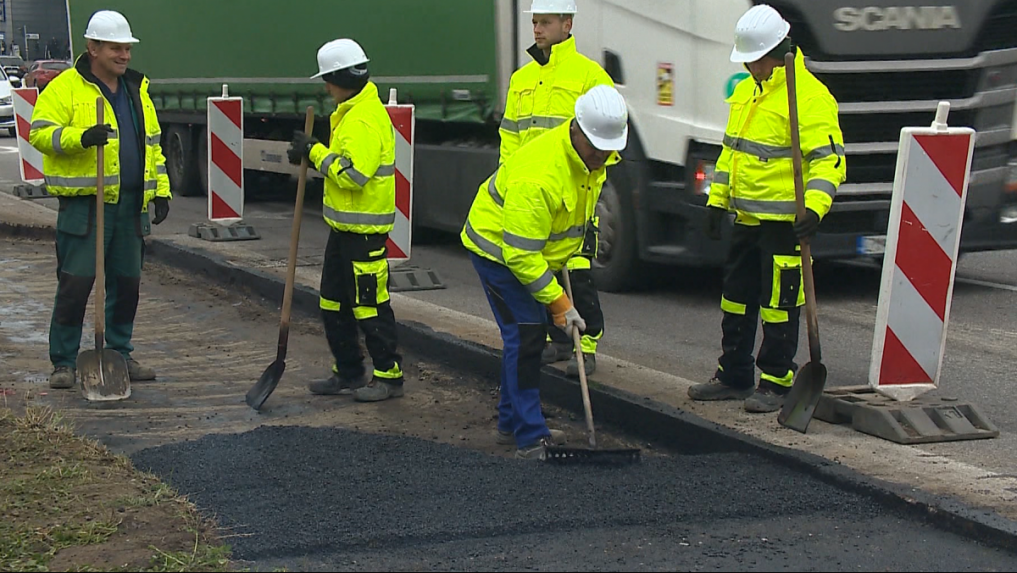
(673, 325)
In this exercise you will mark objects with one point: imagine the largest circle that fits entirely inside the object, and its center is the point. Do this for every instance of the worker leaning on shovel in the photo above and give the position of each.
(527, 220)
(359, 206)
(754, 178)
(65, 130)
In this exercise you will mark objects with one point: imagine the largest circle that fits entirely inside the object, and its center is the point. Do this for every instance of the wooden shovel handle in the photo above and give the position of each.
(100, 234)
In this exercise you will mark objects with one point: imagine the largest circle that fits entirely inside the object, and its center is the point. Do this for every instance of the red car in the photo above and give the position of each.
(43, 71)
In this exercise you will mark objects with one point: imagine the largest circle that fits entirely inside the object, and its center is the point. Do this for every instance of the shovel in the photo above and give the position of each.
(257, 395)
(801, 401)
(563, 455)
(103, 372)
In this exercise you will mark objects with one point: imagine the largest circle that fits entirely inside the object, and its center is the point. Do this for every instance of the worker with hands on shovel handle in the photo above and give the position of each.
(754, 178)
(359, 205)
(134, 175)
(528, 218)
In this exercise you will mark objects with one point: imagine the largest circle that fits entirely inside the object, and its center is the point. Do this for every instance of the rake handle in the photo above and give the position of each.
(578, 342)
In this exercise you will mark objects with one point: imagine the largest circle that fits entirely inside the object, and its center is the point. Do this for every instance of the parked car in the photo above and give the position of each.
(14, 66)
(7, 120)
(43, 71)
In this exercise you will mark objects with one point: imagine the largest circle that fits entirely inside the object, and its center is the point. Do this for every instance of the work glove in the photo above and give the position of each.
(161, 209)
(714, 220)
(301, 147)
(565, 316)
(806, 228)
(96, 135)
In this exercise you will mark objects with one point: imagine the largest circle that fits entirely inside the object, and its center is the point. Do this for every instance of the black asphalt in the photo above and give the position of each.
(332, 499)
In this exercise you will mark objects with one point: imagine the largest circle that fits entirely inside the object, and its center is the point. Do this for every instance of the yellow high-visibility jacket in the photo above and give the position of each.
(754, 176)
(532, 213)
(543, 93)
(65, 109)
(359, 166)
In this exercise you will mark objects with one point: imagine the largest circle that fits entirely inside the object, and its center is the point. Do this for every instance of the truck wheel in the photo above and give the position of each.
(181, 165)
(202, 158)
(618, 268)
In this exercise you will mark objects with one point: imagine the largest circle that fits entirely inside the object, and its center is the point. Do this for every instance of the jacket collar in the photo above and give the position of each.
(778, 80)
(84, 67)
(369, 91)
(559, 52)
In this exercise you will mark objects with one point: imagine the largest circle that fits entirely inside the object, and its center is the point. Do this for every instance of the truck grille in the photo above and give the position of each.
(901, 86)
(1000, 29)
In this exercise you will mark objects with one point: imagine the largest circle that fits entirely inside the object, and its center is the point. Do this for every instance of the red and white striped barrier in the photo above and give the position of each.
(926, 214)
(225, 159)
(404, 120)
(30, 157)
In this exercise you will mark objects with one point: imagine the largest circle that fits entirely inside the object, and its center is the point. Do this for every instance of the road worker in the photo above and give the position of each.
(65, 130)
(541, 95)
(527, 220)
(754, 180)
(359, 204)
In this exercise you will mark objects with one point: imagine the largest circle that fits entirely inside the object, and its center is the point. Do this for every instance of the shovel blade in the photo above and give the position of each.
(104, 375)
(801, 401)
(270, 378)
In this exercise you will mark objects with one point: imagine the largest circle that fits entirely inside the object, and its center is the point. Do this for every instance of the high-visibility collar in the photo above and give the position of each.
(559, 52)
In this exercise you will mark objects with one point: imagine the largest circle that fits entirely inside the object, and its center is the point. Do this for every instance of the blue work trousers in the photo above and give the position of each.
(522, 322)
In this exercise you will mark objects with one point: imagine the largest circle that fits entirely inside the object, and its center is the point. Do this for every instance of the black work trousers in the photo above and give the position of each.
(762, 278)
(354, 291)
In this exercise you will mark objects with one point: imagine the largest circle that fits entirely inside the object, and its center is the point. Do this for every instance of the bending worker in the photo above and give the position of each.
(754, 179)
(527, 220)
(541, 95)
(64, 129)
(359, 205)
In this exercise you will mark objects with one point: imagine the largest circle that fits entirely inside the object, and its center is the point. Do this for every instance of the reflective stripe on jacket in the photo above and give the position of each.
(755, 175)
(531, 215)
(66, 108)
(359, 166)
(542, 94)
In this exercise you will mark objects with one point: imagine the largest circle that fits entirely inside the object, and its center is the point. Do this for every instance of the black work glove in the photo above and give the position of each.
(96, 135)
(714, 221)
(161, 209)
(806, 228)
(300, 147)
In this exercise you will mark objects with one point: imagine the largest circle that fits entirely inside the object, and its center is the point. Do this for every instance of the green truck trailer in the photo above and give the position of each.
(887, 64)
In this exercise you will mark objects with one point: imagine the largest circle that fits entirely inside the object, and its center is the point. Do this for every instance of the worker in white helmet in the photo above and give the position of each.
(65, 130)
(527, 220)
(359, 205)
(541, 95)
(754, 180)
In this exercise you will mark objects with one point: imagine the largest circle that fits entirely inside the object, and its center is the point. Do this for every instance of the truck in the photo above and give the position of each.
(887, 64)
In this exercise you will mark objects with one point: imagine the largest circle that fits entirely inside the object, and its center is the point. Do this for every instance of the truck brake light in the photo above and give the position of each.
(703, 178)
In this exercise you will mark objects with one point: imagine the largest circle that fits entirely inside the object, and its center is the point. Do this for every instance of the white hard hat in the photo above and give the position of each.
(758, 31)
(339, 55)
(552, 7)
(604, 118)
(109, 26)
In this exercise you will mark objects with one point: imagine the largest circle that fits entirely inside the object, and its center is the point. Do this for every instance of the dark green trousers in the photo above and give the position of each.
(125, 227)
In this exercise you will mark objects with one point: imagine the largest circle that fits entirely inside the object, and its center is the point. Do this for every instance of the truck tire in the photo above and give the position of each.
(618, 267)
(181, 164)
(202, 159)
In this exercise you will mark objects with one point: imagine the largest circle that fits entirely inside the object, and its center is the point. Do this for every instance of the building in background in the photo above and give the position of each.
(34, 29)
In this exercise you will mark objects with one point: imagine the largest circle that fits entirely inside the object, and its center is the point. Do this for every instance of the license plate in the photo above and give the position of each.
(872, 245)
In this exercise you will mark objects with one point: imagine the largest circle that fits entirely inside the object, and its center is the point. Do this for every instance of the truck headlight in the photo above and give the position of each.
(703, 178)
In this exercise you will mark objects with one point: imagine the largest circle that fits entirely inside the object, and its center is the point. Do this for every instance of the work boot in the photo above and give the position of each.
(555, 352)
(589, 364)
(536, 451)
(509, 439)
(378, 390)
(139, 372)
(62, 378)
(764, 400)
(335, 385)
(717, 390)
